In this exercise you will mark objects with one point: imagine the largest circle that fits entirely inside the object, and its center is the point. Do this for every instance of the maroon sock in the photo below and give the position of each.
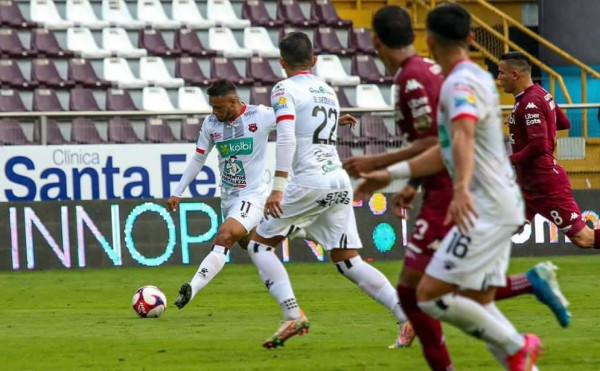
(596, 238)
(517, 284)
(428, 330)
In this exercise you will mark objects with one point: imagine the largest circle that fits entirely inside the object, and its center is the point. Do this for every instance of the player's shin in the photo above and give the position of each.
(209, 268)
(275, 277)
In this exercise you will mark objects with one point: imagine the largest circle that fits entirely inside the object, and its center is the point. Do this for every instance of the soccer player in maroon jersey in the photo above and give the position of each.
(418, 83)
(532, 125)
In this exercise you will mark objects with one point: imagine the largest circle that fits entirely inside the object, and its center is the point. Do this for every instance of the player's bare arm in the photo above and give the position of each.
(348, 119)
(403, 200)
(173, 203)
(462, 208)
(273, 204)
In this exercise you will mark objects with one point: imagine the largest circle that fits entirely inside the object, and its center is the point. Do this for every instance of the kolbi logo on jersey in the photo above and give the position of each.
(242, 146)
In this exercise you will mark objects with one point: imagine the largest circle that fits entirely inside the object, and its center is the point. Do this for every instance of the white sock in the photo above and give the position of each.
(498, 353)
(275, 277)
(473, 319)
(209, 268)
(373, 283)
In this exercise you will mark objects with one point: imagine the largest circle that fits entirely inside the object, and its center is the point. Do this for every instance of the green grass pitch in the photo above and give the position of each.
(83, 320)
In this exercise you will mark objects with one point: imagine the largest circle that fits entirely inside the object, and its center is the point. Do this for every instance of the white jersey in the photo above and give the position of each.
(241, 145)
(470, 91)
(314, 108)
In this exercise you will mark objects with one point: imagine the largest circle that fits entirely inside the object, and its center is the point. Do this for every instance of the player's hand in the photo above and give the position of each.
(402, 201)
(360, 164)
(462, 210)
(173, 203)
(348, 119)
(273, 205)
(371, 182)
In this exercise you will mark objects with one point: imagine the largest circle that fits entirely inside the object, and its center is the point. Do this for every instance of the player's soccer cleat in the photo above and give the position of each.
(524, 359)
(545, 288)
(287, 330)
(406, 335)
(185, 295)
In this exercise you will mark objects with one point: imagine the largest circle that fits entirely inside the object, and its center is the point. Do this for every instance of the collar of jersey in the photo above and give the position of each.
(456, 64)
(307, 72)
(241, 113)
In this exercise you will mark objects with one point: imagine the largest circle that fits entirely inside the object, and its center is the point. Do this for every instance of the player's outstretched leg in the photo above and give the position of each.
(288, 329)
(545, 288)
(185, 295)
(524, 359)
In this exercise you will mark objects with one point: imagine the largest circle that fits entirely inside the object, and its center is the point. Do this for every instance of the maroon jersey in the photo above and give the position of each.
(418, 82)
(532, 126)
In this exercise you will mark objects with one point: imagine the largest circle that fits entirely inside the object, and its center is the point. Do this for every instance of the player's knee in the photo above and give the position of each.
(436, 307)
(339, 255)
(226, 238)
(584, 238)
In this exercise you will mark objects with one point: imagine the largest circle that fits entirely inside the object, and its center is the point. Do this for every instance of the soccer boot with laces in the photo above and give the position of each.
(524, 359)
(185, 295)
(288, 329)
(406, 336)
(545, 288)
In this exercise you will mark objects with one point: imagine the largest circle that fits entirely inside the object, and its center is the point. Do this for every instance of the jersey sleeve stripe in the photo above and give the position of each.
(285, 117)
(200, 151)
(465, 115)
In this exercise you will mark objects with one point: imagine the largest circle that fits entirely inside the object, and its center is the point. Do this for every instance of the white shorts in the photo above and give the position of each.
(474, 261)
(248, 210)
(323, 213)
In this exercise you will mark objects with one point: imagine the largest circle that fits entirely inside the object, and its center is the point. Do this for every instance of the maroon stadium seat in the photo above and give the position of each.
(365, 67)
(54, 135)
(190, 128)
(188, 69)
(10, 45)
(375, 149)
(82, 99)
(290, 13)
(10, 101)
(326, 41)
(44, 42)
(188, 42)
(260, 70)
(11, 16)
(11, 133)
(261, 95)
(345, 135)
(360, 39)
(121, 131)
(153, 41)
(158, 131)
(46, 100)
(257, 13)
(44, 71)
(344, 151)
(82, 72)
(223, 68)
(83, 131)
(119, 100)
(11, 76)
(374, 129)
(341, 96)
(325, 13)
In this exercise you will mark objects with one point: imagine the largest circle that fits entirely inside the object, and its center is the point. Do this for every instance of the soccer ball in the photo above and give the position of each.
(149, 302)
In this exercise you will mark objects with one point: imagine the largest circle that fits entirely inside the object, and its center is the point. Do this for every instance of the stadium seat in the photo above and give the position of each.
(260, 70)
(283, 31)
(189, 43)
(116, 41)
(11, 16)
(81, 41)
(45, 100)
(117, 13)
(344, 151)
(80, 12)
(54, 135)
(12, 76)
(221, 39)
(11, 133)
(153, 41)
(369, 96)
(44, 12)
(190, 129)
(374, 149)
(342, 98)
(188, 14)
(119, 100)
(345, 135)
(154, 70)
(84, 131)
(120, 131)
(82, 73)
(82, 99)
(153, 13)
(373, 129)
(258, 40)
(360, 39)
(261, 95)
(10, 45)
(329, 68)
(223, 14)
(189, 70)
(44, 71)
(290, 13)
(10, 101)
(326, 41)
(191, 98)
(223, 68)
(364, 66)
(325, 13)
(257, 13)
(158, 131)
(117, 70)
(155, 98)
(45, 44)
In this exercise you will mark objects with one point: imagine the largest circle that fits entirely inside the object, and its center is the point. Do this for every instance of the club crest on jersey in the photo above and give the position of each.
(252, 127)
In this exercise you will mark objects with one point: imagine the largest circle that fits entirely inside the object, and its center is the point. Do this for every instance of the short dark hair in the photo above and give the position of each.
(221, 87)
(296, 49)
(393, 26)
(449, 22)
(518, 60)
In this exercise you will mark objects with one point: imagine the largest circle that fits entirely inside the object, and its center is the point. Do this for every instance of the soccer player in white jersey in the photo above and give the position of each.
(487, 206)
(240, 133)
(319, 196)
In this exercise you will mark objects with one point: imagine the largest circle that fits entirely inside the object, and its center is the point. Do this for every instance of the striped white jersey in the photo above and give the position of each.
(242, 148)
(469, 91)
(313, 106)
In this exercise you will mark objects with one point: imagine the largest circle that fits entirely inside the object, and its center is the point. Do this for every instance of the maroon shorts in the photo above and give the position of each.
(428, 231)
(553, 199)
